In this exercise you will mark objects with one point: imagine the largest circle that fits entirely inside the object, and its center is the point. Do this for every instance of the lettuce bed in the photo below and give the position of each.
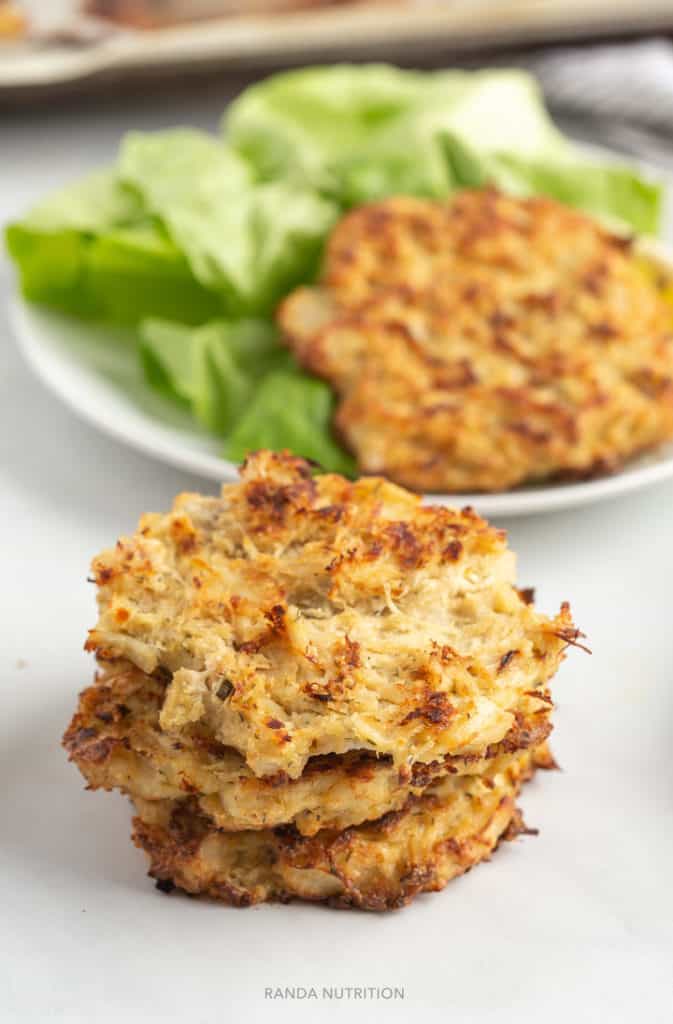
(194, 238)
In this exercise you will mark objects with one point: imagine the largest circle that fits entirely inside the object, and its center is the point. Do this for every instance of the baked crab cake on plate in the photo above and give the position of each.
(313, 655)
(486, 342)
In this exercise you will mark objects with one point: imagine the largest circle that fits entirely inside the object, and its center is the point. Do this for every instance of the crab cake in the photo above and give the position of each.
(375, 866)
(297, 616)
(315, 688)
(486, 342)
(116, 741)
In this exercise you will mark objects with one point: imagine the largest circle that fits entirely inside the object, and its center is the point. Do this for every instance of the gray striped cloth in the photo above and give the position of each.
(617, 95)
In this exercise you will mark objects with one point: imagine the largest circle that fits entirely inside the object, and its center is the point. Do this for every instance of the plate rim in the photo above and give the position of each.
(200, 463)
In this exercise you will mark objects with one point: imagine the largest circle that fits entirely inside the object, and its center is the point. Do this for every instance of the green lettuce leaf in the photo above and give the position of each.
(95, 203)
(319, 124)
(294, 411)
(197, 237)
(178, 231)
(299, 124)
(599, 189)
(51, 245)
(52, 267)
(138, 272)
(248, 243)
(213, 369)
(241, 384)
(181, 167)
(92, 251)
(362, 133)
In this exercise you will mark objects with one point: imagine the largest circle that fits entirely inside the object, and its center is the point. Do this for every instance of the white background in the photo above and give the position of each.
(574, 925)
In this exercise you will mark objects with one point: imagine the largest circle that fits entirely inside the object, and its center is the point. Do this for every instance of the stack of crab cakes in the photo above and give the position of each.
(316, 688)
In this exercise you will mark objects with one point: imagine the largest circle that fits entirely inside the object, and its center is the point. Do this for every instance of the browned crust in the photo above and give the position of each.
(470, 354)
(116, 741)
(369, 867)
(277, 611)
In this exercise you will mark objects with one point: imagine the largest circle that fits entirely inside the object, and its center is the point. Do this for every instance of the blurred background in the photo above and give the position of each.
(606, 67)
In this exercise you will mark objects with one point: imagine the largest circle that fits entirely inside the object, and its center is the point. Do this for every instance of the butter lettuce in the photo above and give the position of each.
(300, 124)
(178, 229)
(317, 123)
(291, 410)
(195, 237)
(361, 133)
(181, 170)
(92, 250)
(93, 204)
(599, 189)
(248, 243)
(241, 384)
(193, 227)
(214, 369)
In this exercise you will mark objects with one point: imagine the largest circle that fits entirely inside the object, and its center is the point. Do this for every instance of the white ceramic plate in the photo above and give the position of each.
(95, 371)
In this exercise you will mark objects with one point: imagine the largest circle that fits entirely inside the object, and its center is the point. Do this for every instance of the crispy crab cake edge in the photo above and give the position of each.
(305, 615)
(379, 865)
(116, 742)
(497, 413)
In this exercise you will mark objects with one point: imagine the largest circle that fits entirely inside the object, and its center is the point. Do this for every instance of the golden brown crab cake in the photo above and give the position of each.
(378, 865)
(301, 616)
(116, 740)
(487, 341)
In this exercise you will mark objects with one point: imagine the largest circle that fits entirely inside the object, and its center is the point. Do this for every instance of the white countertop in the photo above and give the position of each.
(573, 925)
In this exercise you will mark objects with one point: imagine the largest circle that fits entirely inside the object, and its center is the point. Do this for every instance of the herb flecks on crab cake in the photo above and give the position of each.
(315, 688)
(117, 742)
(485, 342)
(298, 616)
(379, 865)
